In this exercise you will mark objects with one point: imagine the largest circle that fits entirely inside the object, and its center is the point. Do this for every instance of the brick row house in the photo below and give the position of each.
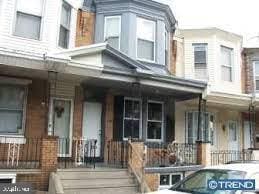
(113, 83)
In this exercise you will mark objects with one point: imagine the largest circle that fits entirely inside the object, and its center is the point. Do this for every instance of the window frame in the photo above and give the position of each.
(226, 66)
(254, 75)
(161, 187)
(214, 140)
(154, 41)
(162, 122)
(60, 25)
(23, 111)
(29, 14)
(194, 45)
(140, 119)
(105, 23)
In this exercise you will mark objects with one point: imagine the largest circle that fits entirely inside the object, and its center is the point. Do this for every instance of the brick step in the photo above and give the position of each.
(118, 190)
(96, 183)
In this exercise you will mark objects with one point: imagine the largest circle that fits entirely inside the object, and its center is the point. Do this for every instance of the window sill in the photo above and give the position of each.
(17, 139)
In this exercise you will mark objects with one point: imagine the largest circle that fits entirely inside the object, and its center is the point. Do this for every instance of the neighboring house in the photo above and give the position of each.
(62, 106)
(214, 56)
(251, 83)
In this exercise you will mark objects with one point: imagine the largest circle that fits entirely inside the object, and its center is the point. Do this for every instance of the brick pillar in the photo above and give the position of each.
(203, 153)
(152, 180)
(48, 160)
(109, 116)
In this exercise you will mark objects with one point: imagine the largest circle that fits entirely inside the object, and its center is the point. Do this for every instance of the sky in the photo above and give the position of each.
(238, 16)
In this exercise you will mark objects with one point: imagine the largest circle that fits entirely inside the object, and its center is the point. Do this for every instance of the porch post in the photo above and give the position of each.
(199, 119)
(203, 153)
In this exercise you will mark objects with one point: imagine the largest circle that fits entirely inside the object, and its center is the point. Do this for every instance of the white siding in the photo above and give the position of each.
(214, 41)
(49, 32)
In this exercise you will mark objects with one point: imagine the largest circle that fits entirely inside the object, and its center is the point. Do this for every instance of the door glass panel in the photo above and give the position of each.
(232, 131)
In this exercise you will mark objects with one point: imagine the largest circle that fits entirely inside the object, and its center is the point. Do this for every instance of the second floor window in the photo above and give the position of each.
(146, 39)
(64, 29)
(112, 31)
(226, 64)
(256, 75)
(200, 61)
(28, 19)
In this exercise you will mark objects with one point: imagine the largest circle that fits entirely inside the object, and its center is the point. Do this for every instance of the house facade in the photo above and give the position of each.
(79, 79)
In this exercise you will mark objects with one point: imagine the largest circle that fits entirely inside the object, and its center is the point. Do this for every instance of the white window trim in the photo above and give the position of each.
(32, 14)
(254, 75)
(162, 122)
(215, 128)
(59, 24)
(228, 66)
(9, 176)
(105, 23)
(154, 41)
(161, 187)
(140, 119)
(14, 136)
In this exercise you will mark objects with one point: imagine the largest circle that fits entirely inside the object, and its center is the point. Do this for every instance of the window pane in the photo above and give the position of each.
(256, 68)
(27, 26)
(131, 128)
(10, 121)
(226, 56)
(154, 130)
(30, 6)
(112, 26)
(201, 71)
(200, 57)
(114, 42)
(175, 178)
(257, 84)
(132, 109)
(146, 29)
(226, 73)
(164, 179)
(65, 16)
(145, 50)
(11, 97)
(63, 37)
(233, 131)
(155, 111)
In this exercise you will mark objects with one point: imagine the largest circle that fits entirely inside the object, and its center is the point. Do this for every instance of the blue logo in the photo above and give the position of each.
(232, 184)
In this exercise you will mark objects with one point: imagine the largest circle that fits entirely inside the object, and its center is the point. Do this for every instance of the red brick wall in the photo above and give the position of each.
(246, 74)
(85, 28)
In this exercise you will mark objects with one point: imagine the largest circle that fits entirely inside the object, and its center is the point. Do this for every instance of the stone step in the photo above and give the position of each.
(118, 190)
(97, 169)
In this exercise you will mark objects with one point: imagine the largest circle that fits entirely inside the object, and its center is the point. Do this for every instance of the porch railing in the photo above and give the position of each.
(117, 153)
(20, 153)
(171, 154)
(225, 156)
(76, 152)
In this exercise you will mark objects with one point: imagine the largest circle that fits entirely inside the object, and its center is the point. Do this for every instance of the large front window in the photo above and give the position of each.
(12, 102)
(132, 118)
(155, 121)
(207, 127)
(226, 64)
(200, 61)
(146, 39)
(256, 75)
(28, 19)
(64, 29)
(112, 31)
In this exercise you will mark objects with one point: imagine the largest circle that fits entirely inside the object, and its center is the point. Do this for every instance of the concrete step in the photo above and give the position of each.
(121, 190)
(98, 183)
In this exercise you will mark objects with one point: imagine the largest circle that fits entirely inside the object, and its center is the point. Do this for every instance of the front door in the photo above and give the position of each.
(92, 123)
(60, 124)
(233, 135)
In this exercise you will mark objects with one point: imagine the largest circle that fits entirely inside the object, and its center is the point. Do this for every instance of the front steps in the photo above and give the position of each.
(97, 181)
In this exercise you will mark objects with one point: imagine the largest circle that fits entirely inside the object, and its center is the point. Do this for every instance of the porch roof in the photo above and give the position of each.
(118, 67)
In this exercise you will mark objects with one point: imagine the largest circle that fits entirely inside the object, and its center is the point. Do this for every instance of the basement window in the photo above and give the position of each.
(7, 178)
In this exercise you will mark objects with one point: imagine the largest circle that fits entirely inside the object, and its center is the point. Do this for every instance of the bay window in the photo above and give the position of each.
(200, 61)
(207, 127)
(146, 39)
(112, 31)
(226, 64)
(155, 121)
(12, 105)
(64, 29)
(256, 75)
(132, 118)
(28, 19)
